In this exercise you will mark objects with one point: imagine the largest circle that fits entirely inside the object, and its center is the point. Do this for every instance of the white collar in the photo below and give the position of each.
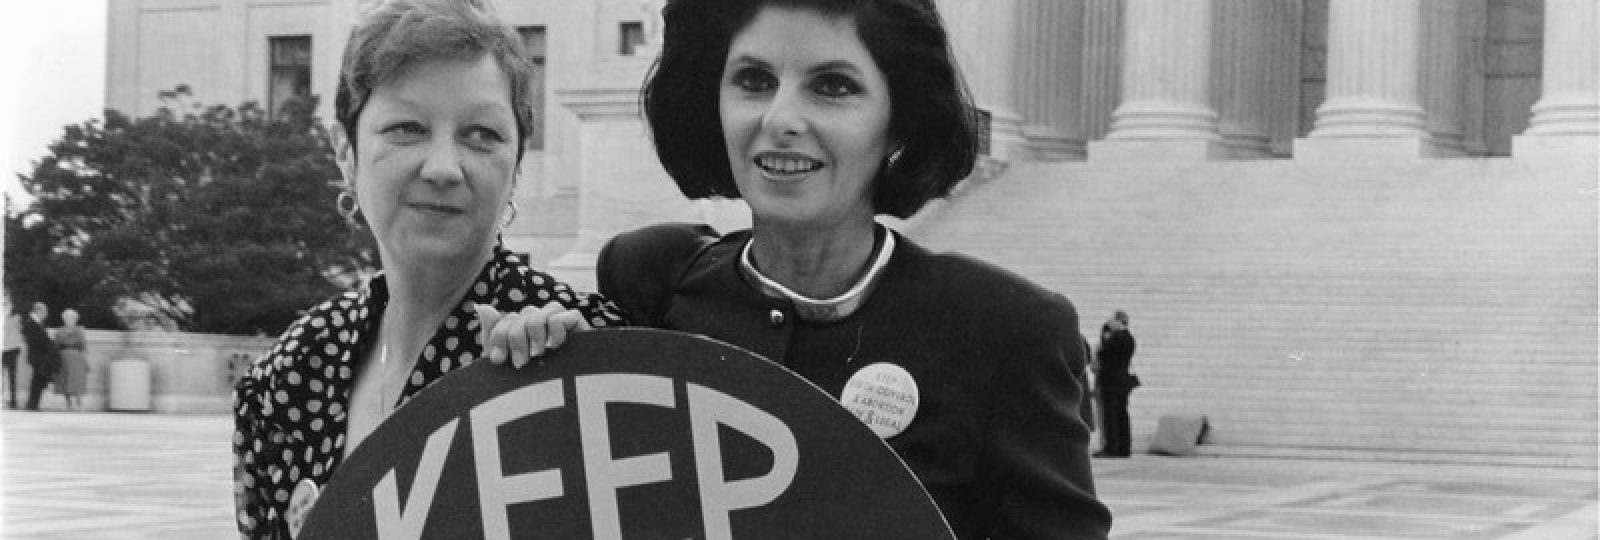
(829, 309)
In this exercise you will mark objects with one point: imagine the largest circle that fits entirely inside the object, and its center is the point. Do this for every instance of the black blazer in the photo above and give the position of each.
(1116, 357)
(42, 353)
(997, 438)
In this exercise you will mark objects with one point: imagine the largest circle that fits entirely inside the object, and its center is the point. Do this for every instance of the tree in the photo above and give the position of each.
(34, 272)
(219, 220)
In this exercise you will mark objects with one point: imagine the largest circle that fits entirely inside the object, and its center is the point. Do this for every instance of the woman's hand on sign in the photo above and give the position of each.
(528, 334)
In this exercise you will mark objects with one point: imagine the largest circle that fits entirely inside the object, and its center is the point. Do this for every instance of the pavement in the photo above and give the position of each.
(91, 475)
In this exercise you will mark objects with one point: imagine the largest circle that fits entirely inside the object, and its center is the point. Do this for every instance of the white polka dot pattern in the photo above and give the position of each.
(289, 411)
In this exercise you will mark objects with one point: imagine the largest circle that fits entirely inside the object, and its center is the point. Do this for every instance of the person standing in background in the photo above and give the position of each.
(41, 352)
(1114, 384)
(72, 379)
(13, 349)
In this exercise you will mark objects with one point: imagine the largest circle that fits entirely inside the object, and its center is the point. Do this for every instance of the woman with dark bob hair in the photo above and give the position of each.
(822, 115)
(930, 114)
(433, 106)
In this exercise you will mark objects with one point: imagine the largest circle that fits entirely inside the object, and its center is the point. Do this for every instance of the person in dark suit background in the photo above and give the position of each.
(41, 352)
(13, 350)
(1114, 384)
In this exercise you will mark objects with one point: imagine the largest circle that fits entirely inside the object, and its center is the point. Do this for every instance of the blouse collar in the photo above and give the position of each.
(825, 310)
(328, 344)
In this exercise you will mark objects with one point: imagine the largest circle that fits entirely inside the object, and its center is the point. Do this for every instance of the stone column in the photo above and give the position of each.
(615, 194)
(1444, 75)
(1165, 112)
(621, 185)
(1474, 34)
(1050, 78)
(984, 35)
(338, 18)
(1567, 116)
(1102, 63)
(1239, 89)
(122, 59)
(1283, 74)
(1372, 107)
(234, 65)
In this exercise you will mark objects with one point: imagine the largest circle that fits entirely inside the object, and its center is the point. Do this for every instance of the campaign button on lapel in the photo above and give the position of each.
(883, 396)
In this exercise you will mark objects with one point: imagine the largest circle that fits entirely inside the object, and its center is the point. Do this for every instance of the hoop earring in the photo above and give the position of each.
(347, 210)
(510, 217)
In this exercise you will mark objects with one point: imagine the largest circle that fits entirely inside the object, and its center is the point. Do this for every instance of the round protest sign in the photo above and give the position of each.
(625, 433)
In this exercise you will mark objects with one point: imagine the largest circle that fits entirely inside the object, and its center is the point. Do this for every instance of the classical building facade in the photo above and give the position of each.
(232, 51)
(1390, 201)
(1062, 80)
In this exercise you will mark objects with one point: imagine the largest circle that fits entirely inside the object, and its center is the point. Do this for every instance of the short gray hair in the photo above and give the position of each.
(397, 34)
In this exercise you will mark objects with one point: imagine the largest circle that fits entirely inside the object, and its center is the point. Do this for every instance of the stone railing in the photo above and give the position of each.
(189, 373)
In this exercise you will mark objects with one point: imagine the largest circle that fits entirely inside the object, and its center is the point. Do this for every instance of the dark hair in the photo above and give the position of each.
(931, 116)
(396, 34)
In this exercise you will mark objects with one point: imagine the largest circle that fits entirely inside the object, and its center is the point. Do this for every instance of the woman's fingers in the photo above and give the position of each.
(556, 329)
(488, 318)
(523, 341)
(563, 323)
(527, 334)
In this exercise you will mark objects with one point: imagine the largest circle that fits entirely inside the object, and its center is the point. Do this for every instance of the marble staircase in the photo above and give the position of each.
(1438, 310)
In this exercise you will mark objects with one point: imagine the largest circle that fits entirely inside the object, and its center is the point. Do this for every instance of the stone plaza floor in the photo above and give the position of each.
(144, 476)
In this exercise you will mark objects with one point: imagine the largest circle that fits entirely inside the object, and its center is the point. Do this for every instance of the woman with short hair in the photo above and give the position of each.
(433, 107)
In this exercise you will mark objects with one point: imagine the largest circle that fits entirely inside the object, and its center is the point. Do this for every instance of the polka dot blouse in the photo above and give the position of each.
(291, 410)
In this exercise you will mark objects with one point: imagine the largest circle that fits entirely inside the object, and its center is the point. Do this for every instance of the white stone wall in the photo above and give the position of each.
(189, 373)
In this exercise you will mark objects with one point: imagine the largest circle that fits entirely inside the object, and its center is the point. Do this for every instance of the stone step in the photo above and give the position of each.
(1286, 360)
(1278, 380)
(1580, 464)
(1373, 412)
(1415, 430)
(1434, 441)
(1334, 370)
(1473, 420)
(1550, 381)
(1377, 307)
(1326, 283)
(1162, 352)
(1415, 308)
(1378, 295)
(1436, 340)
(1311, 396)
(1427, 318)
(1413, 352)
